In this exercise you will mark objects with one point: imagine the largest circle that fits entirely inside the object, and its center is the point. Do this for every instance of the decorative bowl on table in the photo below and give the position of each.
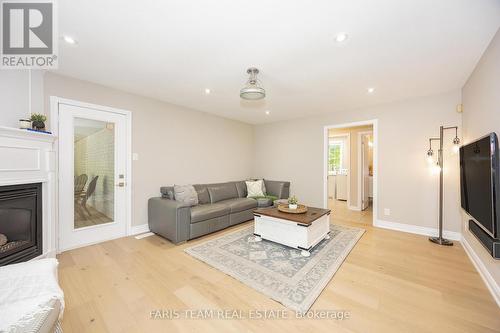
(301, 209)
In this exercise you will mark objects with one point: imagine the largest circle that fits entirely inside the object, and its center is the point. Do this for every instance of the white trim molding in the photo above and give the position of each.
(490, 282)
(138, 229)
(416, 229)
(360, 168)
(355, 208)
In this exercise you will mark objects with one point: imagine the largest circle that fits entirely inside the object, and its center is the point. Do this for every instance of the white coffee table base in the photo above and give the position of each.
(299, 236)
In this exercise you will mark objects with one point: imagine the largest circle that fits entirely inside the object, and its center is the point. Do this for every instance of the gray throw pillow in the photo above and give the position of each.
(3, 239)
(186, 195)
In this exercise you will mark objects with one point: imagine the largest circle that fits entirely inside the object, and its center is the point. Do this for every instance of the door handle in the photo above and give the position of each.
(120, 184)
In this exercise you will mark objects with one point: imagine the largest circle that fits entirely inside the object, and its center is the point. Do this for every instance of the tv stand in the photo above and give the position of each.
(491, 244)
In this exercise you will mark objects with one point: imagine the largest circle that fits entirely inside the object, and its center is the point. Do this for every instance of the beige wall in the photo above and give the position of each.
(353, 158)
(293, 150)
(175, 144)
(14, 95)
(481, 99)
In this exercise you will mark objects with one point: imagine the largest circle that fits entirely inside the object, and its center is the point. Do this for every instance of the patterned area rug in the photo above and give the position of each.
(278, 271)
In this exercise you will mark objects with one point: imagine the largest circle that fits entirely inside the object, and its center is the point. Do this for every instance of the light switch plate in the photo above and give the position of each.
(387, 211)
(135, 157)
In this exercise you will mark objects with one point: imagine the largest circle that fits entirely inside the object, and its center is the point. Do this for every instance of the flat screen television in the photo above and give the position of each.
(479, 182)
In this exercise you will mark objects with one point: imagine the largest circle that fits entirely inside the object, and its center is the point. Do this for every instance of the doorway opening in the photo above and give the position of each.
(350, 166)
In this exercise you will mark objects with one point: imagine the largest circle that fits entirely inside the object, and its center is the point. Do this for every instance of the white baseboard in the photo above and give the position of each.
(356, 208)
(490, 282)
(48, 254)
(415, 229)
(138, 229)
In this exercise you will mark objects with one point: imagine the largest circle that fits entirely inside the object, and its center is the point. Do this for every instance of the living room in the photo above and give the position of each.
(175, 170)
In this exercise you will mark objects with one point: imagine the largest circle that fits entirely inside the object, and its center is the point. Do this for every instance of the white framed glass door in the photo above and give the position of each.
(93, 176)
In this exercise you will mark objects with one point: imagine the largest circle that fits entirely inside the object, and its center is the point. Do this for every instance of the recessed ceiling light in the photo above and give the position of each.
(371, 90)
(341, 37)
(69, 40)
(207, 91)
(268, 112)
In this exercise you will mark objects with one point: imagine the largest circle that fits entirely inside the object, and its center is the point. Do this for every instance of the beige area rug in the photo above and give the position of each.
(275, 270)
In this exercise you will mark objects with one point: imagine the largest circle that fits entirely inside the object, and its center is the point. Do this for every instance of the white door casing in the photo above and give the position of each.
(365, 172)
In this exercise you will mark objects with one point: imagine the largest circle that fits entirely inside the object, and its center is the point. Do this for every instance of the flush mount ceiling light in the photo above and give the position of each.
(268, 112)
(341, 37)
(371, 90)
(207, 91)
(253, 89)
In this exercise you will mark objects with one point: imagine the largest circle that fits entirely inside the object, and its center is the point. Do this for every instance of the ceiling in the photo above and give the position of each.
(174, 50)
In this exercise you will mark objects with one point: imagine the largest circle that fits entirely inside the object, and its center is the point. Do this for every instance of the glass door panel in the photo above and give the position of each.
(94, 172)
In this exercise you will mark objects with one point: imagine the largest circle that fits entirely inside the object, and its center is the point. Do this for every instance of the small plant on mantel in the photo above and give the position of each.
(293, 202)
(38, 121)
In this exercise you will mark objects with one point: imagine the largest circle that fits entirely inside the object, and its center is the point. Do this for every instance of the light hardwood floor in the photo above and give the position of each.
(96, 217)
(390, 282)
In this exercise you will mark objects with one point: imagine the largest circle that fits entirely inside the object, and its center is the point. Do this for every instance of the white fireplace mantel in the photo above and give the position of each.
(11, 132)
(29, 157)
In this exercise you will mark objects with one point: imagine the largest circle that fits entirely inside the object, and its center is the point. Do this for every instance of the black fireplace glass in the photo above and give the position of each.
(20, 222)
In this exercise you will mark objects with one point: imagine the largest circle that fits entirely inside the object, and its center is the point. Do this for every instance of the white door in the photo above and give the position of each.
(93, 176)
(365, 171)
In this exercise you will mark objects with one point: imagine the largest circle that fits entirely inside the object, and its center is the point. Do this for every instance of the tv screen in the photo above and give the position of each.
(478, 163)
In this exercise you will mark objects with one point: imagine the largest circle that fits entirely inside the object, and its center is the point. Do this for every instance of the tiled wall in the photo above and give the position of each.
(94, 156)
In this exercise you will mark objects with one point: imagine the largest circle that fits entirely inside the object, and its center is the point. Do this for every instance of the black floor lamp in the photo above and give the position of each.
(456, 141)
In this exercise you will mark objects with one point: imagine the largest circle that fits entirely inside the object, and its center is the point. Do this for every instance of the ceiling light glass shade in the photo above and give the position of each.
(252, 90)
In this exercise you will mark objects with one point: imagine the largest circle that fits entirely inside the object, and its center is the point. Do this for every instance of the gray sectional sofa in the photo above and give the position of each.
(220, 206)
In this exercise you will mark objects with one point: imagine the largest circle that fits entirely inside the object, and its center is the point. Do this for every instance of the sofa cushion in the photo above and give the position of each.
(209, 211)
(203, 196)
(240, 204)
(186, 195)
(264, 202)
(223, 191)
(241, 187)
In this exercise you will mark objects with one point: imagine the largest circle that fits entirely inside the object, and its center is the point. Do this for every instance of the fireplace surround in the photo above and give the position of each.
(21, 221)
(28, 176)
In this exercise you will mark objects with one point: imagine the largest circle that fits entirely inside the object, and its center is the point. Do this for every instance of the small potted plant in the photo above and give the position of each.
(293, 202)
(38, 121)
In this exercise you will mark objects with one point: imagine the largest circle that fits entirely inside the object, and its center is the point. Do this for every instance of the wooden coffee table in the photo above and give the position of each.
(300, 231)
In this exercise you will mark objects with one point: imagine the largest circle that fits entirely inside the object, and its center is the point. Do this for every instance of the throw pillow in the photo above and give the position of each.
(3, 239)
(255, 188)
(186, 195)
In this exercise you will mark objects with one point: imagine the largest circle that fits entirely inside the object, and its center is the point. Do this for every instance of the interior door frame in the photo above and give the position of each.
(55, 101)
(374, 123)
(360, 167)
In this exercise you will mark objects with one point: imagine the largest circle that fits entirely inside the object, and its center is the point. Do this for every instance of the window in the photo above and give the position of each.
(335, 149)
